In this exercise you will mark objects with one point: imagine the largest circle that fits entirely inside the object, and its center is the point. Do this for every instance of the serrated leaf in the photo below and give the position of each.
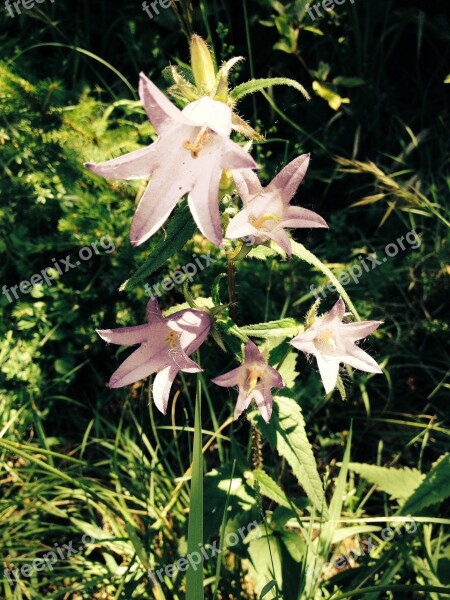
(272, 329)
(261, 253)
(434, 489)
(258, 85)
(286, 433)
(398, 483)
(302, 253)
(181, 228)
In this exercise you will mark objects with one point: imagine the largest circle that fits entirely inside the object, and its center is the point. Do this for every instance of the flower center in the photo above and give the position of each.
(253, 377)
(325, 341)
(173, 340)
(260, 221)
(198, 144)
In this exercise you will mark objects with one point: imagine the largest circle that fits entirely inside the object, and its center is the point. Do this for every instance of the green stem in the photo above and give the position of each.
(194, 576)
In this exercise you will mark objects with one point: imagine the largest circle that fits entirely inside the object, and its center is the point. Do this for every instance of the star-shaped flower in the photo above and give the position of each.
(189, 156)
(333, 342)
(255, 379)
(165, 346)
(267, 212)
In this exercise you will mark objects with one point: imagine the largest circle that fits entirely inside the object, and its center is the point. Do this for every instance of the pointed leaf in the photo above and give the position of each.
(286, 433)
(257, 85)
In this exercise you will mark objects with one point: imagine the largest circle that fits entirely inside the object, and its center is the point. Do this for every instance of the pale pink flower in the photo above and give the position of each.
(165, 346)
(267, 212)
(189, 156)
(255, 379)
(333, 342)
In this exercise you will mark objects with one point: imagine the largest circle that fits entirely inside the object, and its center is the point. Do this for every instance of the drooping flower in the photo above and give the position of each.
(165, 347)
(267, 212)
(192, 150)
(255, 379)
(333, 342)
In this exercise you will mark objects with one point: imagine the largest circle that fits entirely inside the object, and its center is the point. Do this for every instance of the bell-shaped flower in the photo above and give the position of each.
(255, 379)
(333, 342)
(165, 345)
(267, 212)
(192, 150)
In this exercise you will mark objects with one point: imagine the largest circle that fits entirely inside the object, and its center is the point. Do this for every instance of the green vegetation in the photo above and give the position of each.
(325, 476)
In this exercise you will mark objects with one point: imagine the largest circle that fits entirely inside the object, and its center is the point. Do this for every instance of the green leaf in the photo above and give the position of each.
(398, 483)
(286, 433)
(270, 488)
(265, 568)
(180, 230)
(434, 489)
(302, 253)
(257, 85)
(280, 328)
(261, 253)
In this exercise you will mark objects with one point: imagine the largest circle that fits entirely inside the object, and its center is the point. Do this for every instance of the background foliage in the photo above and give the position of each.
(75, 456)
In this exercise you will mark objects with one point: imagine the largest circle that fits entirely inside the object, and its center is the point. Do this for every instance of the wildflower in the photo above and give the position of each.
(267, 212)
(192, 150)
(333, 342)
(255, 379)
(165, 346)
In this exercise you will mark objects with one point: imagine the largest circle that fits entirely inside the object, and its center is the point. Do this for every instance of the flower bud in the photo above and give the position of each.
(202, 64)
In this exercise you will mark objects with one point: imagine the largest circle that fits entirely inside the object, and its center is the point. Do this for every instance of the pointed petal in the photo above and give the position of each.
(125, 336)
(204, 199)
(159, 199)
(288, 180)
(306, 346)
(329, 370)
(359, 359)
(264, 402)
(138, 366)
(240, 226)
(358, 331)
(160, 110)
(153, 312)
(252, 353)
(297, 217)
(162, 385)
(134, 165)
(274, 379)
(242, 403)
(235, 157)
(334, 317)
(231, 378)
(247, 184)
(282, 239)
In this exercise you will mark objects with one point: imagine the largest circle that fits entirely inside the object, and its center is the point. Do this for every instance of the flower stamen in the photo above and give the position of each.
(325, 341)
(198, 144)
(260, 221)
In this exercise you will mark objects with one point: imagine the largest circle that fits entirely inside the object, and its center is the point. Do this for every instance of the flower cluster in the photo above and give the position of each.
(191, 156)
